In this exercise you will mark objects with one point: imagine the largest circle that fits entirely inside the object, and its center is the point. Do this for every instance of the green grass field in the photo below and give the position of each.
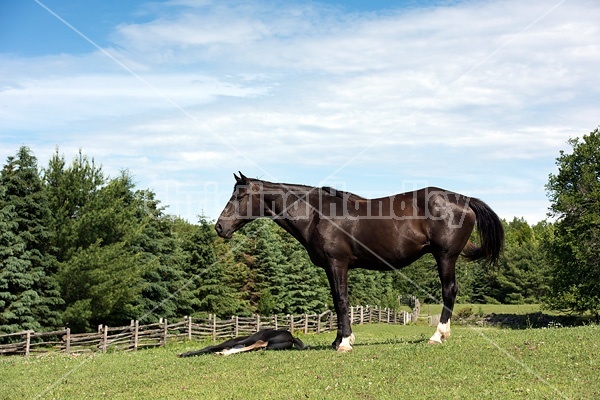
(388, 362)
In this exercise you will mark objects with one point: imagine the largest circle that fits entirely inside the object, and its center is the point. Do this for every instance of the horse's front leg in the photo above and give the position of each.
(337, 273)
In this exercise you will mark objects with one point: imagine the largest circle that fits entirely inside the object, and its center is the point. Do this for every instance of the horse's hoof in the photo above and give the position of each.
(344, 349)
(434, 342)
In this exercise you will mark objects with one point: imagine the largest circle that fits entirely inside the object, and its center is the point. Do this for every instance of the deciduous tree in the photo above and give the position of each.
(574, 250)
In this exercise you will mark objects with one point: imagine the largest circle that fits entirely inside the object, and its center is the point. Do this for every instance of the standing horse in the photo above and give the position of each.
(341, 230)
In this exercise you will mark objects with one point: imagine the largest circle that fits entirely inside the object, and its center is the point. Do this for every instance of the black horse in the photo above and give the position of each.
(341, 230)
(269, 339)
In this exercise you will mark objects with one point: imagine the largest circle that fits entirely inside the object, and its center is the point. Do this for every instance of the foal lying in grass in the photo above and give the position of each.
(269, 339)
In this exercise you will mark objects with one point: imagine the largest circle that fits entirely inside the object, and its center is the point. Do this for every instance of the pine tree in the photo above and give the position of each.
(102, 280)
(306, 287)
(30, 292)
(15, 277)
(419, 279)
(521, 276)
(166, 291)
(69, 190)
(212, 292)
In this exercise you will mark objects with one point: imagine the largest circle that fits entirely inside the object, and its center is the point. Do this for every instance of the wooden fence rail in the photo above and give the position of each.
(136, 336)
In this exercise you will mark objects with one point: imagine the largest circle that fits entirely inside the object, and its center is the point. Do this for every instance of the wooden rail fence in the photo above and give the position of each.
(135, 336)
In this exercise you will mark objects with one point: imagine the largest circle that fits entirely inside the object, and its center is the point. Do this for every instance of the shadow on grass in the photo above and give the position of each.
(372, 342)
(525, 321)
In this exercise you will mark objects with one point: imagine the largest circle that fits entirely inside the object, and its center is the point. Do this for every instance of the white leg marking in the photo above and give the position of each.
(259, 344)
(346, 344)
(442, 333)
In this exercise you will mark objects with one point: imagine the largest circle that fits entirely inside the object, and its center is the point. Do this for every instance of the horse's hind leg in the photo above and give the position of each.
(446, 270)
(280, 345)
(337, 273)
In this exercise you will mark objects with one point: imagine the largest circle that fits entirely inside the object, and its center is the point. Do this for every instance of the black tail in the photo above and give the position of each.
(194, 353)
(298, 344)
(491, 234)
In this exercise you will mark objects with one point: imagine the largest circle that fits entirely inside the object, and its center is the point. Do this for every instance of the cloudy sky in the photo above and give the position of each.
(477, 97)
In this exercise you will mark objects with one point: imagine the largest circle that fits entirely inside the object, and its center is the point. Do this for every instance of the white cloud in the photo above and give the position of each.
(464, 92)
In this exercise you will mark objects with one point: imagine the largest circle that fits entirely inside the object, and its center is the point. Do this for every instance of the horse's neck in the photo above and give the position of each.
(295, 217)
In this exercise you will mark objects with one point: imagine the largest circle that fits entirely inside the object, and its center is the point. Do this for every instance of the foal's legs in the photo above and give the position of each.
(259, 344)
(337, 274)
(446, 266)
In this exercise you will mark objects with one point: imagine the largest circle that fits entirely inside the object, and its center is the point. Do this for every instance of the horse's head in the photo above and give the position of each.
(242, 207)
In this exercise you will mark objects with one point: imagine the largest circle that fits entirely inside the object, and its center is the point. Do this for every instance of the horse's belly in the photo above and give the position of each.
(379, 263)
(391, 247)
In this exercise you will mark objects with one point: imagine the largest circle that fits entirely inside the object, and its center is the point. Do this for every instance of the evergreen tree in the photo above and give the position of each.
(261, 248)
(212, 292)
(16, 279)
(69, 190)
(481, 285)
(102, 280)
(280, 279)
(28, 290)
(166, 292)
(100, 285)
(306, 289)
(372, 288)
(521, 277)
(419, 279)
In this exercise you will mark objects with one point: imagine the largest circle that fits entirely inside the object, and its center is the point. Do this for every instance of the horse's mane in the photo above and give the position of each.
(342, 194)
(328, 190)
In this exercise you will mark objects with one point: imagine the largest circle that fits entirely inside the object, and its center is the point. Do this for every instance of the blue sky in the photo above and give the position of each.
(374, 97)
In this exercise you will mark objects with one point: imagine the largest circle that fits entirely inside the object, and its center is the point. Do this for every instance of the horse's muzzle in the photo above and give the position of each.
(224, 233)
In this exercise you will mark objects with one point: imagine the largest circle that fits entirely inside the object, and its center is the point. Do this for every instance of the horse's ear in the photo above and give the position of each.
(237, 178)
(243, 178)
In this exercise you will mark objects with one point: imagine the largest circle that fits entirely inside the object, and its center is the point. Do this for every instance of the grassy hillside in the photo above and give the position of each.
(388, 362)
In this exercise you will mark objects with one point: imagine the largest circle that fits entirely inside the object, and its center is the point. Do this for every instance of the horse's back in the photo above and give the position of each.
(396, 230)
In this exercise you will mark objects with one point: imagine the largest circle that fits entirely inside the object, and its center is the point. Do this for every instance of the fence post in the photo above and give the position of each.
(291, 323)
(275, 320)
(319, 323)
(305, 323)
(362, 315)
(189, 327)
(136, 334)
(134, 327)
(214, 327)
(165, 330)
(416, 310)
(104, 338)
(236, 328)
(132, 334)
(27, 341)
(257, 322)
(68, 341)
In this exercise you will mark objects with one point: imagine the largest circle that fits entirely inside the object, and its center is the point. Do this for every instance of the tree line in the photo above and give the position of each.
(80, 248)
